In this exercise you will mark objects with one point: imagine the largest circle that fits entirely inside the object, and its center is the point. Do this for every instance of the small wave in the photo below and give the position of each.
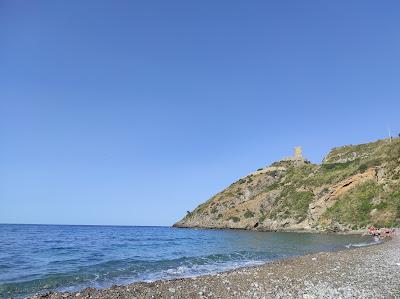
(201, 269)
(125, 271)
(365, 244)
(79, 257)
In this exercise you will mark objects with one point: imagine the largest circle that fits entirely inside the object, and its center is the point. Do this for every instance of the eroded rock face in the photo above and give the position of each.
(355, 186)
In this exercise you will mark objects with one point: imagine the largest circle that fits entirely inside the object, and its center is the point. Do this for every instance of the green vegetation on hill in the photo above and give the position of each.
(355, 206)
(366, 204)
(355, 186)
(292, 203)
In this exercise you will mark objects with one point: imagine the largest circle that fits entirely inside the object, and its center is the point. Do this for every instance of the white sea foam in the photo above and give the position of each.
(363, 244)
(99, 257)
(194, 270)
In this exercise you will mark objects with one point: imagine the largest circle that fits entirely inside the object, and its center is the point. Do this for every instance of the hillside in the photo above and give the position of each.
(355, 186)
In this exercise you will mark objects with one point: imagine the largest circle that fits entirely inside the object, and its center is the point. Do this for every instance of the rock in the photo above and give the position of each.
(276, 189)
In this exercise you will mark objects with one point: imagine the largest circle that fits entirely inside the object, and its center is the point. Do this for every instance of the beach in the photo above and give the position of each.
(364, 272)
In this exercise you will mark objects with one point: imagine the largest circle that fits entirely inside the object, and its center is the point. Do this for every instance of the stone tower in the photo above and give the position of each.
(298, 155)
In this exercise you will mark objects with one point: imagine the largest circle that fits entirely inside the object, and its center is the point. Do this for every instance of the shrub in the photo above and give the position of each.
(248, 214)
(234, 218)
(336, 166)
(362, 168)
(382, 205)
(273, 173)
(239, 193)
(271, 187)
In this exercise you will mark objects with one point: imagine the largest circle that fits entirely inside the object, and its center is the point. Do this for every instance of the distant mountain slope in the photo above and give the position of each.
(355, 186)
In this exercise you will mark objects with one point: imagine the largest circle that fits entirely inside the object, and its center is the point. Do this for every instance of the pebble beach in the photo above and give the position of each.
(365, 272)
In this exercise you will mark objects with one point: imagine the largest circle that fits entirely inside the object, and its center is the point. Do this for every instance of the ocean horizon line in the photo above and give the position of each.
(106, 225)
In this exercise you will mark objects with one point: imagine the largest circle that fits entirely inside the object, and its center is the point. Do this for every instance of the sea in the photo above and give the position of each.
(40, 258)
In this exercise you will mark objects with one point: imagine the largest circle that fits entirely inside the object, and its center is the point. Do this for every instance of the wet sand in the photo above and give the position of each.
(366, 272)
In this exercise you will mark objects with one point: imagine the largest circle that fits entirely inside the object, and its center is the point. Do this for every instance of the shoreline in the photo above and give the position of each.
(363, 272)
(300, 231)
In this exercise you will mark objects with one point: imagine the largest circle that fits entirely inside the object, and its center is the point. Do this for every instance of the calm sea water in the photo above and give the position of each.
(36, 258)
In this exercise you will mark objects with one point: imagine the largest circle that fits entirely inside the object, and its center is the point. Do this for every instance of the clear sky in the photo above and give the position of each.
(133, 112)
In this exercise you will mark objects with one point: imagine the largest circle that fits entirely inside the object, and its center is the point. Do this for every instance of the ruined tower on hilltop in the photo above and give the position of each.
(298, 155)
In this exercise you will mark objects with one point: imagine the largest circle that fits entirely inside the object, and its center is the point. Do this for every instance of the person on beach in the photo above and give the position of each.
(372, 230)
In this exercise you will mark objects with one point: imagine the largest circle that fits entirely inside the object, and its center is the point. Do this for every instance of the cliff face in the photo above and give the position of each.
(355, 186)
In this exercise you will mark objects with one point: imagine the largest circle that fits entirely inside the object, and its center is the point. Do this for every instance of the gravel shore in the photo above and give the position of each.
(367, 272)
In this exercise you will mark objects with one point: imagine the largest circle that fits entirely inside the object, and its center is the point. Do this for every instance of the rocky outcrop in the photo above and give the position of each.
(354, 186)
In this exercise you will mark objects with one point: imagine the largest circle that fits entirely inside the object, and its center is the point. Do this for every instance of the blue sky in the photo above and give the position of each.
(133, 112)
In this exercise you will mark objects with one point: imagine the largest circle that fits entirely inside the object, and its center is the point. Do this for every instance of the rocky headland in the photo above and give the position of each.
(355, 186)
